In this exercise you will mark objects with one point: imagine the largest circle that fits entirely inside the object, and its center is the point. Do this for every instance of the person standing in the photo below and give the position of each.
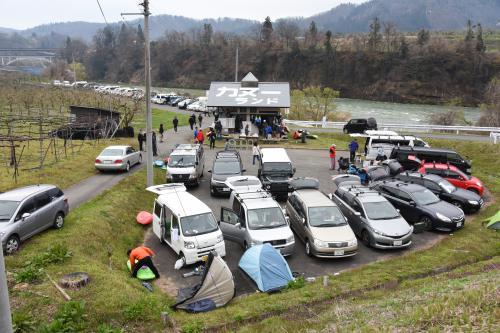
(332, 156)
(218, 129)
(141, 139)
(175, 122)
(255, 152)
(200, 119)
(192, 120)
(200, 137)
(195, 134)
(211, 137)
(161, 130)
(155, 151)
(353, 147)
(247, 130)
(143, 256)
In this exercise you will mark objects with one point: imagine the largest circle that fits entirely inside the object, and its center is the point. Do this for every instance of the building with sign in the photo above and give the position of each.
(251, 102)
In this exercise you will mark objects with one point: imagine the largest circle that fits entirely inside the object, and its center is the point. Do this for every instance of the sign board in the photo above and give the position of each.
(266, 94)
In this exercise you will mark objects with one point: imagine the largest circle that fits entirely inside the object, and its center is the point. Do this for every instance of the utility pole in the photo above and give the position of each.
(147, 96)
(5, 316)
(236, 67)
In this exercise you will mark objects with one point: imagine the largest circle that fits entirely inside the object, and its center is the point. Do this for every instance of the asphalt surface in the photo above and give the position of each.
(313, 163)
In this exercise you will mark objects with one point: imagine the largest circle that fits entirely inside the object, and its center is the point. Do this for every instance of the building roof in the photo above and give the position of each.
(249, 93)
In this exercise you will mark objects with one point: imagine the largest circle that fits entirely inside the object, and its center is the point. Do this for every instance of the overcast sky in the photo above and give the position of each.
(22, 14)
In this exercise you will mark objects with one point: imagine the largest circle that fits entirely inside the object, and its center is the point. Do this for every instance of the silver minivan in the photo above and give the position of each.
(27, 211)
(256, 218)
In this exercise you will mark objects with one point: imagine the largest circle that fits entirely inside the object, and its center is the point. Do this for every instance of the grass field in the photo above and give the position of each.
(451, 286)
(160, 117)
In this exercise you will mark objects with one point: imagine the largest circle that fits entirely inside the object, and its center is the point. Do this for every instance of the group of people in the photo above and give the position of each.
(199, 137)
(192, 120)
(141, 138)
(343, 162)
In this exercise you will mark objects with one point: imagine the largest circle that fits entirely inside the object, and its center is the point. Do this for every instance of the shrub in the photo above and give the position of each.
(70, 318)
(105, 328)
(297, 283)
(22, 322)
(193, 327)
(29, 274)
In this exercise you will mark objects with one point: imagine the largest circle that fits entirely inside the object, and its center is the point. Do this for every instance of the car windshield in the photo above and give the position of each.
(7, 209)
(425, 197)
(380, 210)
(226, 167)
(266, 218)
(198, 224)
(326, 217)
(284, 167)
(447, 186)
(181, 161)
(112, 152)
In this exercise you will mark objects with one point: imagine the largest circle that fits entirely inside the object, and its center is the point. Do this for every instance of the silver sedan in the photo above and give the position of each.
(117, 158)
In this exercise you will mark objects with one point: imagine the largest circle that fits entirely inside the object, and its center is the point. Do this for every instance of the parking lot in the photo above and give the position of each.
(309, 163)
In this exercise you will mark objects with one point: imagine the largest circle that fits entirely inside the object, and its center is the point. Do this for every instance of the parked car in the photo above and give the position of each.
(319, 223)
(117, 158)
(186, 224)
(275, 171)
(226, 164)
(186, 164)
(388, 142)
(455, 176)
(372, 217)
(418, 204)
(435, 155)
(360, 125)
(468, 201)
(256, 218)
(27, 211)
(183, 104)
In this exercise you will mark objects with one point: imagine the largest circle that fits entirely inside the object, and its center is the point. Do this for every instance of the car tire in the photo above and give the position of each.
(12, 244)
(457, 204)
(127, 167)
(182, 257)
(365, 237)
(58, 221)
(308, 248)
(427, 222)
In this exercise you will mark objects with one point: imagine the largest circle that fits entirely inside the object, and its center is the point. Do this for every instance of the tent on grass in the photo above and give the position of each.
(494, 221)
(267, 267)
(215, 289)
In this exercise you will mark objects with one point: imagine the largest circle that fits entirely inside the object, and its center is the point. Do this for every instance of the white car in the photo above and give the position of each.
(118, 158)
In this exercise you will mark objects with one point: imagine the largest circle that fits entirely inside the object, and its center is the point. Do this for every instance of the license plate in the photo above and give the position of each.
(338, 252)
(225, 190)
(106, 162)
(398, 243)
(459, 224)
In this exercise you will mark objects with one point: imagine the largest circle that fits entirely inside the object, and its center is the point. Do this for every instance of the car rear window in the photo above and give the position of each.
(112, 152)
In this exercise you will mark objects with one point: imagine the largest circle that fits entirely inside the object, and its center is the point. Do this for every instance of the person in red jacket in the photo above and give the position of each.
(200, 137)
(332, 156)
(143, 256)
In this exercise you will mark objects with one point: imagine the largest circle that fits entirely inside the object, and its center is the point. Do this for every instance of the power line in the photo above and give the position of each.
(102, 12)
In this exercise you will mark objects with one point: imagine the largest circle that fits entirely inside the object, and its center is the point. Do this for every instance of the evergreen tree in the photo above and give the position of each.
(469, 36)
(267, 30)
(480, 46)
(404, 48)
(374, 36)
(312, 34)
(423, 37)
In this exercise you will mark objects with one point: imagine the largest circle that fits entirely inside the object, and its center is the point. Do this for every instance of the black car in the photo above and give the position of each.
(418, 204)
(227, 164)
(468, 201)
(407, 155)
(360, 125)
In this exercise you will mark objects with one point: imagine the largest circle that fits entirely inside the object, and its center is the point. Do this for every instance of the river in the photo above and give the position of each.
(399, 113)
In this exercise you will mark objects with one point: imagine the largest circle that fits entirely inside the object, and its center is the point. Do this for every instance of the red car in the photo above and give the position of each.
(454, 176)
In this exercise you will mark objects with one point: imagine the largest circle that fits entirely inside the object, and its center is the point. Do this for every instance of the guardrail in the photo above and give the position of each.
(417, 127)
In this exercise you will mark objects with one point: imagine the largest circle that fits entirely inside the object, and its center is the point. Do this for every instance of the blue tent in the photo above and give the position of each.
(267, 267)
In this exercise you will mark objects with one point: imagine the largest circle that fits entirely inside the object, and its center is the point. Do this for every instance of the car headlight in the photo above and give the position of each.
(193, 175)
(443, 218)
(352, 242)
(290, 239)
(189, 245)
(320, 243)
(479, 184)
(220, 238)
(378, 232)
(268, 187)
(474, 202)
(169, 176)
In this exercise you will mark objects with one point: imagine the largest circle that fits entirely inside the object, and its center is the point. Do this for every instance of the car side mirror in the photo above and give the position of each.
(196, 162)
(398, 211)
(412, 203)
(294, 170)
(238, 225)
(25, 215)
(303, 221)
(330, 196)
(243, 170)
(357, 213)
(210, 171)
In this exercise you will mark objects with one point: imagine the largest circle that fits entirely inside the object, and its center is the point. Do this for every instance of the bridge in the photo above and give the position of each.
(24, 59)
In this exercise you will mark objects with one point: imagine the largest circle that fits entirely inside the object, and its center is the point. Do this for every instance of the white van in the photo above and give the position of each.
(186, 164)
(185, 223)
(387, 140)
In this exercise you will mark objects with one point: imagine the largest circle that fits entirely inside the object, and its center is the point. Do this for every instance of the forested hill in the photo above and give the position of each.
(407, 15)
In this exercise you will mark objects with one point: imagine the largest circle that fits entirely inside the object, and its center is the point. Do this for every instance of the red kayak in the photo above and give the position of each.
(144, 218)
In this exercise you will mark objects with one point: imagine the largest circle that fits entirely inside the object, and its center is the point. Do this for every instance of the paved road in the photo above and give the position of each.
(308, 163)
(92, 186)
